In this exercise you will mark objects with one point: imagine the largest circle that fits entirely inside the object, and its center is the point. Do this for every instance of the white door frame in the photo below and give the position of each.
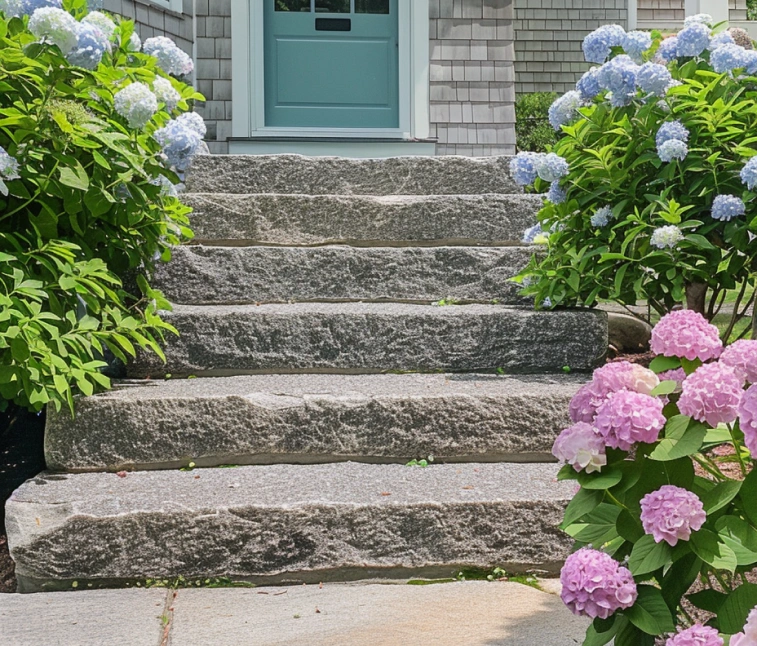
(248, 83)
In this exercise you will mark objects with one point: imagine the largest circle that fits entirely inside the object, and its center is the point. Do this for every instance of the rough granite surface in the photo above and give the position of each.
(218, 275)
(363, 220)
(344, 176)
(305, 418)
(266, 520)
(376, 337)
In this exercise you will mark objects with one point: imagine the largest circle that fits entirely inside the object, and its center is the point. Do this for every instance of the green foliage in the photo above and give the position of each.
(87, 209)
(532, 129)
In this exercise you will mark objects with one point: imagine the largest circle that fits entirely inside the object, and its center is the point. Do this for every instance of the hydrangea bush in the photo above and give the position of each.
(657, 511)
(88, 187)
(654, 189)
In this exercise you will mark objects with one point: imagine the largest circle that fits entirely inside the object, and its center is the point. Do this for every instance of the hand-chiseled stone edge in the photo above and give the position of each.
(258, 521)
(369, 338)
(340, 175)
(219, 275)
(309, 418)
(362, 220)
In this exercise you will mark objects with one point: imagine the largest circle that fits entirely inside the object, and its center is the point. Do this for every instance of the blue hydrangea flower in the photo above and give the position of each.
(727, 58)
(723, 38)
(727, 207)
(749, 173)
(602, 217)
(90, 47)
(666, 237)
(668, 49)
(137, 104)
(171, 59)
(55, 26)
(693, 40)
(671, 130)
(588, 85)
(532, 233)
(750, 61)
(30, 6)
(698, 19)
(193, 121)
(8, 170)
(551, 167)
(556, 195)
(523, 168)
(564, 109)
(635, 43)
(619, 77)
(180, 144)
(654, 79)
(672, 149)
(597, 46)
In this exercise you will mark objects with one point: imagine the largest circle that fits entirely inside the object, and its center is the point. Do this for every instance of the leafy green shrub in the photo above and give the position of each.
(532, 129)
(657, 200)
(87, 196)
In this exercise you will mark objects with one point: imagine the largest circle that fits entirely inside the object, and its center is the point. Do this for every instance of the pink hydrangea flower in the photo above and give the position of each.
(596, 585)
(581, 446)
(697, 635)
(679, 375)
(749, 636)
(627, 418)
(712, 394)
(671, 513)
(685, 333)
(610, 378)
(742, 357)
(748, 421)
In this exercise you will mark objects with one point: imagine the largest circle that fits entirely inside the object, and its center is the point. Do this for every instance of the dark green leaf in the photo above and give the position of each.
(707, 546)
(734, 610)
(650, 613)
(583, 502)
(648, 556)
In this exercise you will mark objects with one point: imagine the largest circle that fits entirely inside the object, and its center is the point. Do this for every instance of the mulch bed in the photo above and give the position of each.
(7, 576)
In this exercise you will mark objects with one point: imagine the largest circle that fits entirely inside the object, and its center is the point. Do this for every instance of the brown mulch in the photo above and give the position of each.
(7, 576)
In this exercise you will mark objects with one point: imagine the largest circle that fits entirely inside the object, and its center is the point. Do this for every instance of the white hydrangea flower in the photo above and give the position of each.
(137, 104)
(166, 93)
(666, 237)
(171, 59)
(12, 8)
(8, 165)
(135, 42)
(55, 26)
(700, 18)
(193, 121)
(102, 22)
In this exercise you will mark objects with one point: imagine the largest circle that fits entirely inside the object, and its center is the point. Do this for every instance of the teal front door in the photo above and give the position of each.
(331, 64)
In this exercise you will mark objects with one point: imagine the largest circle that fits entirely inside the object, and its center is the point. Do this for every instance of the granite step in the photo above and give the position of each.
(200, 275)
(286, 523)
(361, 220)
(344, 176)
(305, 419)
(222, 340)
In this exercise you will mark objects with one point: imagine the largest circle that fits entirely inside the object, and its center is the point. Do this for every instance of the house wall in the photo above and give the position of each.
(548, 35)
(737, 10)
(655, 12)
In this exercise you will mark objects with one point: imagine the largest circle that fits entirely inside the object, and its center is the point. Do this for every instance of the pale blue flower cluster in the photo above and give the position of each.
(666, 237)
(91, 45)
(671, 130)
(727, 207)
(564, 109)
(619, 77)
(166, 93)
(693, 40)
(55, 26)
(597, 46)
(551, 167)
(167, 187)
(523, 168)
(193, 121)
(727, 58)
(698, 19)
(602, 217)
(530, 235)
(180, 144)
(135, 43)
(8, 170)
(588, 85)
(749, 173)
(171, 59)
(635, 43)
(723, 38)
(556, 195)
(654, 79)
(30, 6)
(137, 104)
(102, 22)
(672, 149)
(668, 49)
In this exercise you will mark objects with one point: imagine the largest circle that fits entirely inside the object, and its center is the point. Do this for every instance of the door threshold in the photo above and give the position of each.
(356, 147)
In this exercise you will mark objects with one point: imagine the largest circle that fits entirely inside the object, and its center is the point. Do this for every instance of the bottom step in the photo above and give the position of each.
(286, 523)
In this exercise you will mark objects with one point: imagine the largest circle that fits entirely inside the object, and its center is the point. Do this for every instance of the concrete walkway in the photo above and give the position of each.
(451, 614)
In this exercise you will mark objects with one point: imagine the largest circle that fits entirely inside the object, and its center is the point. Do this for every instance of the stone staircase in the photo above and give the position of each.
(320, 364)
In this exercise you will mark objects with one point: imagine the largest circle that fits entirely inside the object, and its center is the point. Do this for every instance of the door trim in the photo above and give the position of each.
(248, 79)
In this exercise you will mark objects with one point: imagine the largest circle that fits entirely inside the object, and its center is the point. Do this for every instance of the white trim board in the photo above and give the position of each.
(247, 83)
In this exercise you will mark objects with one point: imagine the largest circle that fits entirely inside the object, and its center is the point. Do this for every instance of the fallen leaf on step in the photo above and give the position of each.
(467, 487)
(385, 493)
(122, 474)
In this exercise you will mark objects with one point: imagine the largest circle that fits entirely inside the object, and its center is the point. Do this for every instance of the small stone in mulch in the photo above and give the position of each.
(7, 575)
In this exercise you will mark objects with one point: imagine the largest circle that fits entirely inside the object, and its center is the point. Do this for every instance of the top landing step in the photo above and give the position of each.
(297, 174)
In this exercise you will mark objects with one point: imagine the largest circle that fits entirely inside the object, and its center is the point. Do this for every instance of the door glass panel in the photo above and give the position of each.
(292, 5)
(372, 6)
(332, 6)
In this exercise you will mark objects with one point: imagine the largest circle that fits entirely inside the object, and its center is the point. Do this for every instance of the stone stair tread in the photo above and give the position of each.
(401, 220)
(290, 520)
(219, 340)
(215, 275)
(318, 175)
(312, 418)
